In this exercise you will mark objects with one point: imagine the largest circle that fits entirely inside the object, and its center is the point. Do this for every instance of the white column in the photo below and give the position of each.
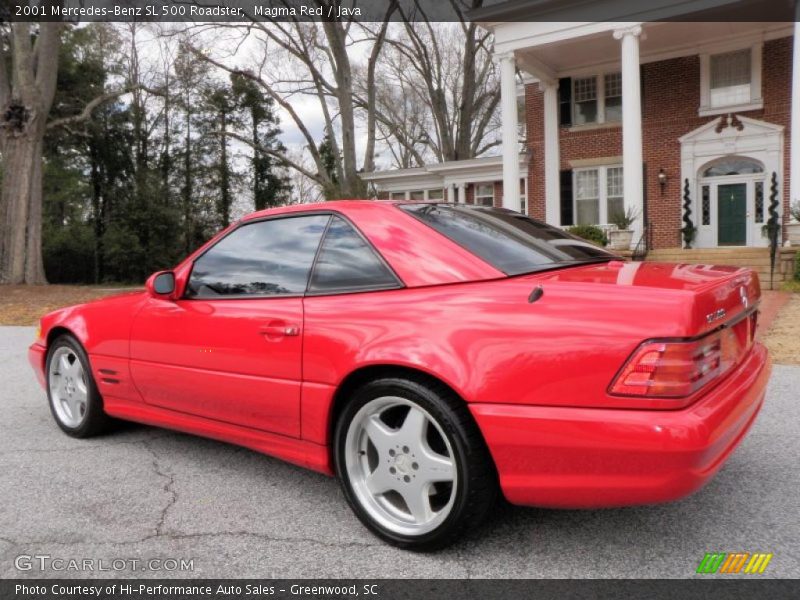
(462, 193)
(632, 124)
(552, 184)
(508, 108)
(794, 141)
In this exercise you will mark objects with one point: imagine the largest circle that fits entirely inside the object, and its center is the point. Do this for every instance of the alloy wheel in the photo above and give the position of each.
(401, 466)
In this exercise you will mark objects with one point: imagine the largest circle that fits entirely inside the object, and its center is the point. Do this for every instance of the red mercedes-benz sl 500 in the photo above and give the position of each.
(429, 355)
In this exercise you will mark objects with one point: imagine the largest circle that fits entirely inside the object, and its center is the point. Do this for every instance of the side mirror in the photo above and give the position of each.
(162, 284)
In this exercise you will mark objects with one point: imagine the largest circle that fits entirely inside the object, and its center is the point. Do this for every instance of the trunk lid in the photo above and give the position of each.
(719, 294)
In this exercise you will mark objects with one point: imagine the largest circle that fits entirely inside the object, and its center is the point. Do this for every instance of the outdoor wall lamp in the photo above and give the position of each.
(662, 179)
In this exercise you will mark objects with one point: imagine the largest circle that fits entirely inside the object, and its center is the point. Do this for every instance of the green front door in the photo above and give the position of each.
(732, 214)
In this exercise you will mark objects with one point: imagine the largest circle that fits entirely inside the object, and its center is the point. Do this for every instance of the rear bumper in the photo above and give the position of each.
(590, 458)
(36, 353)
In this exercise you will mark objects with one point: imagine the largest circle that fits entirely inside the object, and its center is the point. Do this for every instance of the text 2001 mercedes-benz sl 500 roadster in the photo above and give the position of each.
(430, 355)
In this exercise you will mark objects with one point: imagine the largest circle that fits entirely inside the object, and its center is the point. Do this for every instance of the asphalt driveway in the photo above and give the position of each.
(144, 493)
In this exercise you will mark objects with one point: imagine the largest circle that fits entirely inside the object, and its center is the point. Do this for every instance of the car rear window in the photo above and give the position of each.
(511, 242)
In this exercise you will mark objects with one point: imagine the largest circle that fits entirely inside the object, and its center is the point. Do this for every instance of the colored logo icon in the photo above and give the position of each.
(734, 562)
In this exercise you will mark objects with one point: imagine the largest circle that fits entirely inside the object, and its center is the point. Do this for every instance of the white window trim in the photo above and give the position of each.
(602, 191)
(600, 91)
(756, 98)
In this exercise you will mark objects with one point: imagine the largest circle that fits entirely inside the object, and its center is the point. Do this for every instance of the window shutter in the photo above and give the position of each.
(566, 198)
(565, 101)
(641, 88)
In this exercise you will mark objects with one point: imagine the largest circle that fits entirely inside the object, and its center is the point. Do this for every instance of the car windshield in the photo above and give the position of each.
(511, 242)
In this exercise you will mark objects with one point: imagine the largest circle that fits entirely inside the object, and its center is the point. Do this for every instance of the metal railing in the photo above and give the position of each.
(643, 245)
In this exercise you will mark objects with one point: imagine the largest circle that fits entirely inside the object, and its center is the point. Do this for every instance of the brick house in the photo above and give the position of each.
(645, 116)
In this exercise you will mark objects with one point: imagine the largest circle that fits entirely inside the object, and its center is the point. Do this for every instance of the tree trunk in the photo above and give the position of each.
(187, 184)
(25, 100)
(21, 164)
(34, 264)
(97, 216)
(225, 192)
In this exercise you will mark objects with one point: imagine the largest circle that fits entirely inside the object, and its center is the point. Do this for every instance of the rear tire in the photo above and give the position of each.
(412, 463)
(74, 400)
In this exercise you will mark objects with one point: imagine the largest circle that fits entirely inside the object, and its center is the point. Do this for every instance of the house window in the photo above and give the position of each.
(597, 99)
(417, 195)
(613, 96)
(523, 196)
(705, 208)
(585, 100)
(614, 196)
(587, 197)
(397, 196)
(730, 79)
(484, 194)
(598, 194)
(733, 166)
(436, 194)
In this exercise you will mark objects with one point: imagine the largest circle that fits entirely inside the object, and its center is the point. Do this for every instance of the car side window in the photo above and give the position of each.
(264, 258)
(347, 262)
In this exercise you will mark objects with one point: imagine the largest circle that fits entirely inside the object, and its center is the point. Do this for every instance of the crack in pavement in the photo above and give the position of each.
(169, 487)
(158, 528)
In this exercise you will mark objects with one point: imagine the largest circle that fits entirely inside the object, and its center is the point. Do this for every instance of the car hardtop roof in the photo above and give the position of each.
(342, 205)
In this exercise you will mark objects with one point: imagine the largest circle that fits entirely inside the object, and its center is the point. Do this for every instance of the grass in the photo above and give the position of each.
(791, 286)
(26, 304)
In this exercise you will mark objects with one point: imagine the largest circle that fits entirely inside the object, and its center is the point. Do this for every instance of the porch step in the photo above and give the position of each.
(756, 259)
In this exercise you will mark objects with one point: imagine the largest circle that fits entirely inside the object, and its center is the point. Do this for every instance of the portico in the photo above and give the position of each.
(627, 94)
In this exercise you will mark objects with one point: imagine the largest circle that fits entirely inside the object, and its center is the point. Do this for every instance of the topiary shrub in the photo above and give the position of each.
(591, 233)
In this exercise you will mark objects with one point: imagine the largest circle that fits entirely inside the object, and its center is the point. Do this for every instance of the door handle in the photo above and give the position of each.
(278, 329)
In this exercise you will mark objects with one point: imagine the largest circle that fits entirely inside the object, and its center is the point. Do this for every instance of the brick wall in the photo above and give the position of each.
(670, 99)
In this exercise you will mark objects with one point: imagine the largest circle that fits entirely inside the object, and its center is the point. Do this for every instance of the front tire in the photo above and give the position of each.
(75, 402)
(412, 463)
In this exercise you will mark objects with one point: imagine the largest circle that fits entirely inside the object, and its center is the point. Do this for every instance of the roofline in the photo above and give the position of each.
(629, 10)
(518, 10)
(441, 169)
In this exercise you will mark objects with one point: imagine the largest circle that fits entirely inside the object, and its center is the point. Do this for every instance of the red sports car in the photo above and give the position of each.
(429, 355)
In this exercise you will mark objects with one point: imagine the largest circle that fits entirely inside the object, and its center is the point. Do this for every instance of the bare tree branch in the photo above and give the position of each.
(281, 157)
(312, 146)
(87, 111)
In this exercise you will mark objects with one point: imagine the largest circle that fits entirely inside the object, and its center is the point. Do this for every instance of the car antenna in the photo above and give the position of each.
(537, 293)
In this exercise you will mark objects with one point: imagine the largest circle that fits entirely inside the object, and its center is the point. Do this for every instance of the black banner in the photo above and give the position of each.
(448, 589)
(411, 10)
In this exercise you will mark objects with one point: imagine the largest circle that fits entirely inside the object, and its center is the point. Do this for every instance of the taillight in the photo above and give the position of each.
(677, 369)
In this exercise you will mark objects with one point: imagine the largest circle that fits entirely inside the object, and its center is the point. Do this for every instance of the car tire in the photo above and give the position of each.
(412, 463)
(75, 402)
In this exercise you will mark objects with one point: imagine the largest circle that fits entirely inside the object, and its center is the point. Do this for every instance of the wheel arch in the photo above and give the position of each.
(58, 331)
(367, 373)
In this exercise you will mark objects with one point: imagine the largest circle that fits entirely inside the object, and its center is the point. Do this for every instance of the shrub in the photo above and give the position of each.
(623, 219)
(794, 210)
(591, 233)
(68, 254)
(797, 266)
